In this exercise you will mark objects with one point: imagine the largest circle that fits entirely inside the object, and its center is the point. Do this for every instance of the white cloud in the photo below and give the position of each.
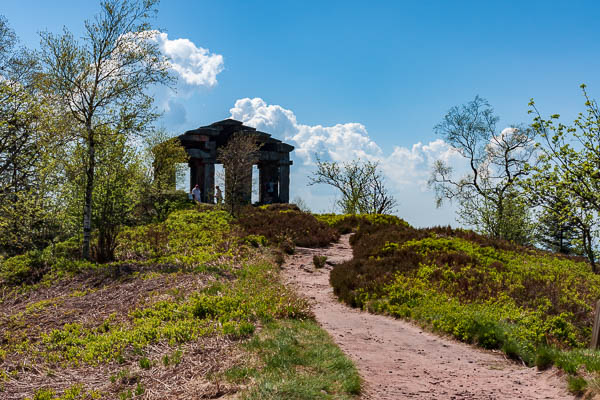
(342, 142)
(413, 165)
(196, 66)
(405, 168)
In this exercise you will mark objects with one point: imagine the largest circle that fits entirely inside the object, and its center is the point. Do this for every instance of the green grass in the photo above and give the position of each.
(297, 360)
(229, 309)
(241, 297)
(535, 306)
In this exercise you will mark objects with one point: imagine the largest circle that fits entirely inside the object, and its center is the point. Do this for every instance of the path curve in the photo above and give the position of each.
(398, 360)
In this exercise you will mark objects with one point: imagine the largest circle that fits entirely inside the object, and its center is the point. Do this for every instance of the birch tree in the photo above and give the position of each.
(102, 79)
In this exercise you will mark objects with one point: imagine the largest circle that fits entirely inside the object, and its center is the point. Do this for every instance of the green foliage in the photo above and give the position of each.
(565, 180)
(257, 295)
(491, 293)
(256, 240)
(185, 238)
(29, 138)
(164, 153)
(118, 180)
(26, 268)
(576, 384)
(300, 362)
(544, 358)
(145, 363)
(110, 87)
(75, 392)
(319, 261)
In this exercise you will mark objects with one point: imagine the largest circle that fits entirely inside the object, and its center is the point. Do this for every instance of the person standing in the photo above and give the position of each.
(196, 194)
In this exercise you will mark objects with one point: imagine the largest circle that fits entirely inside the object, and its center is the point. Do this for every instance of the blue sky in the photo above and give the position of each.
(393, 67)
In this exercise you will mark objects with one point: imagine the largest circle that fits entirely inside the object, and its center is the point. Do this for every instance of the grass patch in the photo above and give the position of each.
(185, 292)
(535, 306)
(297, 360)
(319, 261)
(576, 385)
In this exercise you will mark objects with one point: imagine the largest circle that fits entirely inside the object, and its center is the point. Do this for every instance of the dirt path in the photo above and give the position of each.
(398, 360)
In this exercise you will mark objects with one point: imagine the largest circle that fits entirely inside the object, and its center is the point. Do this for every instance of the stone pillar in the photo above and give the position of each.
(261, 182)
(203, 175)
(194, 164)
(284, 182)
(268, 183)
(208, 187)
(246, 189)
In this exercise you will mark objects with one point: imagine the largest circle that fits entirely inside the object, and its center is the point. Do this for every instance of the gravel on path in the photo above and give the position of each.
(399, 360)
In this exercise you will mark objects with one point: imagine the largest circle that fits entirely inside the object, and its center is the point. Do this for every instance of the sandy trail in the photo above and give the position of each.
(398, 360)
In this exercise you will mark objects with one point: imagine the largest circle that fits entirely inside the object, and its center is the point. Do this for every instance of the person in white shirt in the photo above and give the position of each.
(197, 194)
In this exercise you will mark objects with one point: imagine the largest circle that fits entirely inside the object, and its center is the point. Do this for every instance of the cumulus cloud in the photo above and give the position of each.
(413, 165)
(405, 168)
(341, 142)
(195, 66)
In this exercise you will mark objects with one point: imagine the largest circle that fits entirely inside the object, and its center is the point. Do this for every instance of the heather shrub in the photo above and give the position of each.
(282, 223)
(492, 293)
(346, 223)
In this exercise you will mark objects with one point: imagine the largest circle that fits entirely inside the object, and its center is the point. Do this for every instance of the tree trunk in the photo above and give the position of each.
(89, 187)
(587, 246)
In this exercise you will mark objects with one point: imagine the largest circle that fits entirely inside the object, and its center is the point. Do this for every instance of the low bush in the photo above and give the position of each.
(187, 238)
(283, 222)
(319, 261)
(576, 385)
(24, 269)
(529, 303)
(346, 223)
(157, 206)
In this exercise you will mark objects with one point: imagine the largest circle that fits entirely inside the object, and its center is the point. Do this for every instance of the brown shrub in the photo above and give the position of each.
(279, 223)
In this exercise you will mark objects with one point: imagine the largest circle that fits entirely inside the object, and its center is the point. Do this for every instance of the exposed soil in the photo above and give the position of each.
(89, 299)
(398, 360)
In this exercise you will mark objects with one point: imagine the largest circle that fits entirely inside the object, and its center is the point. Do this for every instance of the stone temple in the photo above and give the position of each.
(273, 162)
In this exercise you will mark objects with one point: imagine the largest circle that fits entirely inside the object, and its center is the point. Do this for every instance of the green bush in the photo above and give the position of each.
(186, 238)
(544, 358)
(255, 240)
(529, 303)
(319, 261)
(24, 269)
(576, 384)
(157, 206)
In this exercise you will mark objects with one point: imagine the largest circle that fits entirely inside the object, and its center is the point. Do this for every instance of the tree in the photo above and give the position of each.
(22, 113)
(568, 166)
(28, 137)
(238, 156)
(165, 154)
(488, 195)
(554, 232)
(102, 80)
(360, 184)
